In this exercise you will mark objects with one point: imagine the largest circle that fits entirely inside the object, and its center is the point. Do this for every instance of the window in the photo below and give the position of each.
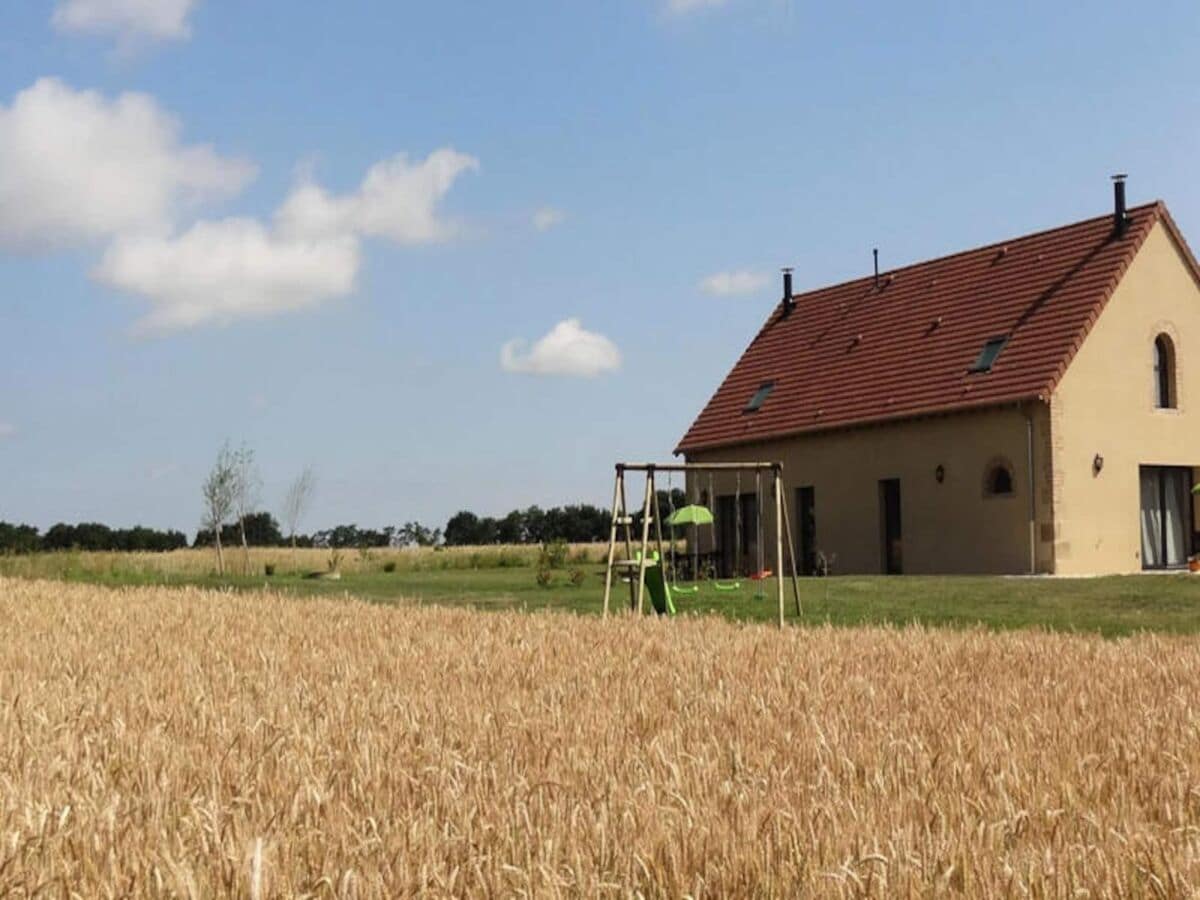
(1164, 372)
(987, 356)
(760, 396)
(999, 481)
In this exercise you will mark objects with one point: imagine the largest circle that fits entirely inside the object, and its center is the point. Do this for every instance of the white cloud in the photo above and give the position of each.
(727, 284)
(397, 200)
(567, 349)
(129, 20)
(548, 217)
(7, 430)
(76, 166)
(682, 7)
(217, 272)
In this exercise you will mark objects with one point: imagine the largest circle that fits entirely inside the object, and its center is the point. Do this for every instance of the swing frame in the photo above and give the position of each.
(623, 521)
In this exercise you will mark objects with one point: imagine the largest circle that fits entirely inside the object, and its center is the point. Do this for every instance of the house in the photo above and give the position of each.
(1031, 406)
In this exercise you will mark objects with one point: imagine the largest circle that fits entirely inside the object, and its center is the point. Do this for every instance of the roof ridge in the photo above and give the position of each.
(1157, 205)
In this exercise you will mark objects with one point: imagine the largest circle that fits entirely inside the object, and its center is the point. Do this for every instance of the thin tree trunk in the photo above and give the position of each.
(220, 554)
(245, 546)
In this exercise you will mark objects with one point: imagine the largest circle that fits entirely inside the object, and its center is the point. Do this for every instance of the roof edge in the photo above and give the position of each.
(871, 422)
(1161, 216)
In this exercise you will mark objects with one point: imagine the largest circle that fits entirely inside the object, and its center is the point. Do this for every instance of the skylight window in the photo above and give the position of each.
(987, 356)
(760, 396)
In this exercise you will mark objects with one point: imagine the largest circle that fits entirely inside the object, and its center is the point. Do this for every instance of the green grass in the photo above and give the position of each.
(1109, 606)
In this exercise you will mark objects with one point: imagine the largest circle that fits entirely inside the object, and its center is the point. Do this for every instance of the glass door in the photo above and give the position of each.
(1166, 516)
(893, 538)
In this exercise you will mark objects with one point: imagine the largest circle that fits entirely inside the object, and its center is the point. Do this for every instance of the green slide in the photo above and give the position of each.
(657, 587)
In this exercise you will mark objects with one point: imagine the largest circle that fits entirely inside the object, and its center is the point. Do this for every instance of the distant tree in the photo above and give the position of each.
(247, 489)
(19, 538)
(343, 536)
(297, 500)
(414, 534)
(84, 536)
(511, 529)
(99, 537)
(535, 525)
(462, 529)
(220, 490)
(577, 523)
(261, 531)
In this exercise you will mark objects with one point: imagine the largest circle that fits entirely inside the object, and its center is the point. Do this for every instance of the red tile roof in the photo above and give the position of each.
(853, 354)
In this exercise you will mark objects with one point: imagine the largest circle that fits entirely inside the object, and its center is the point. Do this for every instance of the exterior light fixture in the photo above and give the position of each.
(1097, 464)
(940, 473)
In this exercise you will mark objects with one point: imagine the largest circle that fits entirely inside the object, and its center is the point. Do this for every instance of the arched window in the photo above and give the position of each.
(1164, 372)
(998, 482)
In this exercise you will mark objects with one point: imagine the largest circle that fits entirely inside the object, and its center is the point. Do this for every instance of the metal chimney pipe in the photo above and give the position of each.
(1120, 215)
(875, 253)
(788, 304)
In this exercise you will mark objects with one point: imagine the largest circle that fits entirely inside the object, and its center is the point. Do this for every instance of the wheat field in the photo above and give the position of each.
(187, 743)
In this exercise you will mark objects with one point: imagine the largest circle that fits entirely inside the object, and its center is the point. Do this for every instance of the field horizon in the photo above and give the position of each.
(506, 577)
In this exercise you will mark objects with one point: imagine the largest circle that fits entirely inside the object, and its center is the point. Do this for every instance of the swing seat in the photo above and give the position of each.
(761, 576)
(727, 586)
(680, 589)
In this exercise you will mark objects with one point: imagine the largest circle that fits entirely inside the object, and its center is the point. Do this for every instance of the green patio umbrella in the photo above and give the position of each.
(690, 515)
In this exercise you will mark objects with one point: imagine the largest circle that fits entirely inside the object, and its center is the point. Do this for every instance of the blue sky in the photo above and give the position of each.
(316, 227)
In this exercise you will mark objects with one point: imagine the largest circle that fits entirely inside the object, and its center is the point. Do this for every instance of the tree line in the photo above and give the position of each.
(87, 536)
(232, 516)
(577, 523)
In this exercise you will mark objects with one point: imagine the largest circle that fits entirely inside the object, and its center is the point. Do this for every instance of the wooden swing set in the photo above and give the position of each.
(643, 564)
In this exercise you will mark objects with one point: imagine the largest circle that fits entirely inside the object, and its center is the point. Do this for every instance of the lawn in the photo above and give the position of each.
(1109, 606)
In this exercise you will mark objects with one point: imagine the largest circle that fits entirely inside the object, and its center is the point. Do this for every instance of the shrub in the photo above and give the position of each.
(389, 566)
(269, 569)
(576, 577)
(545, 578)
(553, 554)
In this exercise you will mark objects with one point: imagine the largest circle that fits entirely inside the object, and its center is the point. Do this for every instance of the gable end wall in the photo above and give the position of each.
(1104, 404)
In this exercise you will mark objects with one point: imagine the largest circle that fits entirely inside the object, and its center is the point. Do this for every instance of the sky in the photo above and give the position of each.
(461, 255)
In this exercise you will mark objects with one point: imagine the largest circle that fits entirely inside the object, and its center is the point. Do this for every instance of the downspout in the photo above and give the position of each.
(1032, 498)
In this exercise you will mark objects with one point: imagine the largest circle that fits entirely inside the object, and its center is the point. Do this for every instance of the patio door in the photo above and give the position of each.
(727, 528)
(889, 520)
(806, 530)
(1166, 514)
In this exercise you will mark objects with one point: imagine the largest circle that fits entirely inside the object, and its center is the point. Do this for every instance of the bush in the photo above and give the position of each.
(389, 566)
(553, 554)
(269, 568)
(576, 577)
(545, 578)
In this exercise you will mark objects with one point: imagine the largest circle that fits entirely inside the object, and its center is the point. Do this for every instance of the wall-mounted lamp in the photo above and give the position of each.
(1097, 464)
(940, 473)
